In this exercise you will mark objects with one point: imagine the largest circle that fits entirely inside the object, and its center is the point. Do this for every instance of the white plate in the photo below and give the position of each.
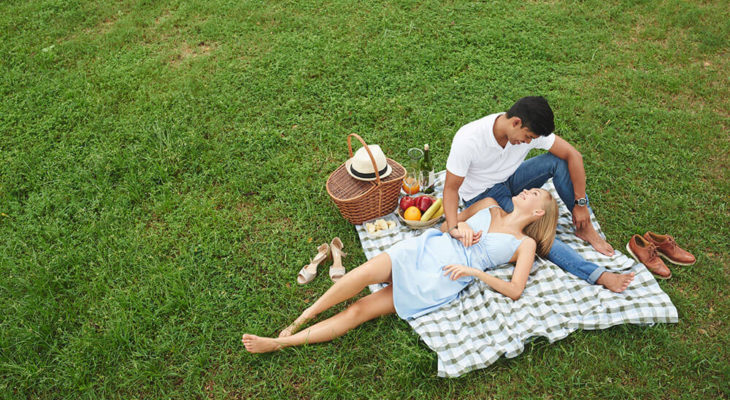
(382, 232)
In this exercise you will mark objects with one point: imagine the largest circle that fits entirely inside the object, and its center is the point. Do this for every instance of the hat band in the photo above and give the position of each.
(369, 175)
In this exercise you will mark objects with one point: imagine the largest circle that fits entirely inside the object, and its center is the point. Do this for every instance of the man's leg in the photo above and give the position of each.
(569, 260)
(533, 173)
(561, 254)
(499, 192)
(536, 171)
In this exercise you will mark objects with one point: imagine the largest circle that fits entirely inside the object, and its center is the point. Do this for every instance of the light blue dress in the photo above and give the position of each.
(419, 284)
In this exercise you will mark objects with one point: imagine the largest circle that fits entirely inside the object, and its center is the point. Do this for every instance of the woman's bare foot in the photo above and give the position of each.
(257, 344)
(294, 326)
(615, 282)
(590, 235)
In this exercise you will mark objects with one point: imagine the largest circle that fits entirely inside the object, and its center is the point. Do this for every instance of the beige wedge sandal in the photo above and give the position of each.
(337, 271)
(308, 272)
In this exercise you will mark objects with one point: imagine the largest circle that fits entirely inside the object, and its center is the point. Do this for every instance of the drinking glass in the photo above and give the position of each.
(411, 183)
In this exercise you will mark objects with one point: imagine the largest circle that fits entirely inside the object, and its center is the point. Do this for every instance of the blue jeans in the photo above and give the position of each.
(533, 173)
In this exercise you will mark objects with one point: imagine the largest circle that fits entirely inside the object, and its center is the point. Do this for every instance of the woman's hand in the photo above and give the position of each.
(459, 271)
(465, 234)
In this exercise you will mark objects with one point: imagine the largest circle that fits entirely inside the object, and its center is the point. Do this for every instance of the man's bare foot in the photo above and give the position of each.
(294, 326)
(257, 344)
(615, 282)
(590, 235)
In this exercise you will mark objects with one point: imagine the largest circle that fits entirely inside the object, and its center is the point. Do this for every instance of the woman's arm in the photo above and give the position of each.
(471, 211)
(524, 257)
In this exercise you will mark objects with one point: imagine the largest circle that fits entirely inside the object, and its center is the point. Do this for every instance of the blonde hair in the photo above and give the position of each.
(542, 230)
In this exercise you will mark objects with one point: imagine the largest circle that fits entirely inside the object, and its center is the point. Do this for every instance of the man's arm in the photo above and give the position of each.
(574, 159)
(458, 230)
(451, 199)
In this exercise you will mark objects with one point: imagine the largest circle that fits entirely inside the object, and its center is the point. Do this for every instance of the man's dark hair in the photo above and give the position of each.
(535, 114)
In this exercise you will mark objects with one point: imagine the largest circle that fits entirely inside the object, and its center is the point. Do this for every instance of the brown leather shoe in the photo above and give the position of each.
(646, 253)
(669, 250)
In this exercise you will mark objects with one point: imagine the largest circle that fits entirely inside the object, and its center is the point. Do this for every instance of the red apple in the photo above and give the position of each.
(406, 202)
(423, 203)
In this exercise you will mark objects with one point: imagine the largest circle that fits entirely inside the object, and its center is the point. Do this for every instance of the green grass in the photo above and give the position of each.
(163, 168)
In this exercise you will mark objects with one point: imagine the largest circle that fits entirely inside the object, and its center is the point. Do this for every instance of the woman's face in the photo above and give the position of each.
(530, 200)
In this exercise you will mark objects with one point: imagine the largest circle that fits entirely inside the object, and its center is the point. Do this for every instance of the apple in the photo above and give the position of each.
(406, 202)
(423, 203)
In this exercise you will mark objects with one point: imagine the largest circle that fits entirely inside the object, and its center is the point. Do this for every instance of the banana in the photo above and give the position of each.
(438, 213)
(431, 210)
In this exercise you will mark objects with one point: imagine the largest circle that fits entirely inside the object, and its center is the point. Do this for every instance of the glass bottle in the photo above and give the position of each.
(428, 174)
(412, 181)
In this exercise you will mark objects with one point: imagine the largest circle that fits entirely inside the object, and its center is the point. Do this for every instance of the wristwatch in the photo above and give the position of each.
(581, 202)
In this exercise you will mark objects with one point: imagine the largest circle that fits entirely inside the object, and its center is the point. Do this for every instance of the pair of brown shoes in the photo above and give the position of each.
(648, 248)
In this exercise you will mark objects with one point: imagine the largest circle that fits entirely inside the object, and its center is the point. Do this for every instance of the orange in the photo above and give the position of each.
(412, 214)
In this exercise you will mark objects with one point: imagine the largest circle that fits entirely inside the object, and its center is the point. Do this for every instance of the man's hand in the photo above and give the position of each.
(581, 217)
(465, 234)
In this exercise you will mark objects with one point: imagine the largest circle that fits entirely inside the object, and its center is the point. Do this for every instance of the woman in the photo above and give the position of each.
(431, 270)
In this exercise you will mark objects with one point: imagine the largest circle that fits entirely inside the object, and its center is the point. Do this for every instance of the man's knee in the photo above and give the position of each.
(558, 165)
(554, 160)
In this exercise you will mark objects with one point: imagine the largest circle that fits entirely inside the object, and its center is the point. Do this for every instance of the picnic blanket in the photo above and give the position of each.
(481, 325)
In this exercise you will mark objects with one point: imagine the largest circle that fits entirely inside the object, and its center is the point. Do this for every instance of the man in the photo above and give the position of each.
(487, 159)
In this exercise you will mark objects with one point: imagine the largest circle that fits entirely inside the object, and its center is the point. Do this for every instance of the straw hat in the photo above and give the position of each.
(361, 167)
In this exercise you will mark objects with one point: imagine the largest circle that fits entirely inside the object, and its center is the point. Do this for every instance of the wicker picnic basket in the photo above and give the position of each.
(359, 201)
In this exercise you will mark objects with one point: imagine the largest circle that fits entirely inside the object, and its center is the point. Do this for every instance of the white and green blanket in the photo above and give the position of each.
(481, 325)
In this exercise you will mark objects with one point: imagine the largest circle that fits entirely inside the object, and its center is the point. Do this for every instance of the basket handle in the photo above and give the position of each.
(372, 159)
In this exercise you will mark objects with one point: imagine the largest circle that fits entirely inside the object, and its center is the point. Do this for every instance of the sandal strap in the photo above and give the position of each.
(335, 271)
(337, 246)
(338, 251)
(306, 275)
(318, 258)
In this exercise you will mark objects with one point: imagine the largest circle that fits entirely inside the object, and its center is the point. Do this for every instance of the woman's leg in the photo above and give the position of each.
(365, 309)
(376, 270)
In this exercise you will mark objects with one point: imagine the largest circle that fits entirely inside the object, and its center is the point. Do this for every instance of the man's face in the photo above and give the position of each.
(520, 135)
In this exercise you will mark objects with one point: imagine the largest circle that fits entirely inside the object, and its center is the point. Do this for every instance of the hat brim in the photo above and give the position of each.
(367, 176)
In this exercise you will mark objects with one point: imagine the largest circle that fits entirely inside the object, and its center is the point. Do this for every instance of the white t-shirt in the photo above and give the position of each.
(476, 155)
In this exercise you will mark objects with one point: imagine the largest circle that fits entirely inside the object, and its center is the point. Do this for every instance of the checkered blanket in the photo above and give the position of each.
(474, 330)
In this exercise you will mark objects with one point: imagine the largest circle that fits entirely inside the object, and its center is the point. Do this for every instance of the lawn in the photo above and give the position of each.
(163, 169)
